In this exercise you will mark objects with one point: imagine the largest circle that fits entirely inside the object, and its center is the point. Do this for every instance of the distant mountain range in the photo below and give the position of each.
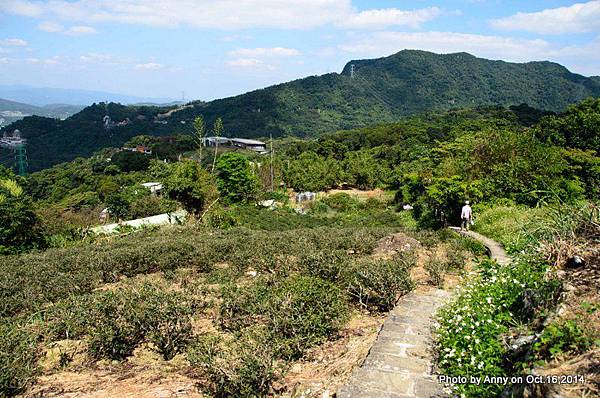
(45, 96)
(377, 91)
(11, 111)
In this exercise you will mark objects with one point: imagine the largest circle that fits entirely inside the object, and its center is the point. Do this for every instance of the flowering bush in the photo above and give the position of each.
(469, 329)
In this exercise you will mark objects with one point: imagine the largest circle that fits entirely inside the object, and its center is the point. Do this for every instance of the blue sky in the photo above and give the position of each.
(213, 49)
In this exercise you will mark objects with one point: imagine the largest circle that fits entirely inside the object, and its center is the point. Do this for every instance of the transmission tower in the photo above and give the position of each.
(352, 71)
(21, 159)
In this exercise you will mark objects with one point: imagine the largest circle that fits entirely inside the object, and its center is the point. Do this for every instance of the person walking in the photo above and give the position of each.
(466, 216)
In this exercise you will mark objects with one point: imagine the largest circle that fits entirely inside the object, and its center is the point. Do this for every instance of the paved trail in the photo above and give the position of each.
(400, 363)
(496, 250)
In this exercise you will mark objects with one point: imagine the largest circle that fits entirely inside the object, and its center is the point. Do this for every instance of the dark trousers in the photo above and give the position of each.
(465, 223)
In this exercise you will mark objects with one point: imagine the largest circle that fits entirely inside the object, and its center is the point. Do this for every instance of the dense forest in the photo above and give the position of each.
(380, 91)
(432, 161)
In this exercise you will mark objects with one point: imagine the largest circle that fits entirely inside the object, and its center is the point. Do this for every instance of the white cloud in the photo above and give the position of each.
(20, 7)
(96, 58)
(219, 14)
(80, 31)
(148, 66)
(496, 47)
(4, 60)
(53, 27)
(264, 52)
(577, 18)
(45, 61)
(383, 18)
(13, 42)
(251, 63)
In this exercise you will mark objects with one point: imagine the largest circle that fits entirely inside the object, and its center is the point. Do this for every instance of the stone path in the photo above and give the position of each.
(400, 363)
(495, 249)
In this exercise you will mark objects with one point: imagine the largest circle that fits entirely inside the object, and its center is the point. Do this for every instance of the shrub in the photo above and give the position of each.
(379, 282)
(116, 322)
(327, 265)
(304, 311)
(112, 327)
(300, 311)
(18, 358)
(222, 218)
(436, 267)
(469, 334)
(150, 205)
(561, 338)
(341, 202)
(165, 318)
(455, 257)
(242, 368)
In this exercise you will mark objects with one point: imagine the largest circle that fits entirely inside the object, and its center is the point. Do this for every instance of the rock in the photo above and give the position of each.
(575, 262)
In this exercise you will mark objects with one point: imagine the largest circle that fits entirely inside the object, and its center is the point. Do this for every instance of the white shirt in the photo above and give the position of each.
(466, 212)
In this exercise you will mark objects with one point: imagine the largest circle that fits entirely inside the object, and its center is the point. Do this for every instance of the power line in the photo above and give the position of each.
(373, 91)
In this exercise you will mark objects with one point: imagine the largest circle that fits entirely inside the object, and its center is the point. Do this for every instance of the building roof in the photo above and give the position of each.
(247, 141)
(152, 184)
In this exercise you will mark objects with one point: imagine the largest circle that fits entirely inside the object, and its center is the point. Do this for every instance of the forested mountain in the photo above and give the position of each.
(378, 91)
(11, 111)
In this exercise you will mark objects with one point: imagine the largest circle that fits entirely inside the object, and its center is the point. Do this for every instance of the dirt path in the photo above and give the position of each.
(400, 363)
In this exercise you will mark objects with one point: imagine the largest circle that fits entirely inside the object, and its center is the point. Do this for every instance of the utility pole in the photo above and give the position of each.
(272, 173)
(352, 71)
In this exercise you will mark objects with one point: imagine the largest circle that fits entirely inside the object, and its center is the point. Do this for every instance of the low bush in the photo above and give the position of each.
(378, 283)
(241, 368)
(455, 257)
(116, 322)
(341, 202)
(304, 311)
(436, 267)
(562, 338)
(327, 265)
(112, 326)
(18, 358)
(470, 327)
(299, 311)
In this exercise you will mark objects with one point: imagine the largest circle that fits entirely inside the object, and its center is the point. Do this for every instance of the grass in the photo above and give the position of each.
(510, 225)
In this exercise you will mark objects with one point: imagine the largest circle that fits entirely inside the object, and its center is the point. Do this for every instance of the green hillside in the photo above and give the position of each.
(11, 111)
(382, 90)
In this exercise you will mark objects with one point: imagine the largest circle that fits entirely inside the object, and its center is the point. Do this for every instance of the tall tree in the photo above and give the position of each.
(217, 132)
(19, 226)
(235, 179)
(198, 135)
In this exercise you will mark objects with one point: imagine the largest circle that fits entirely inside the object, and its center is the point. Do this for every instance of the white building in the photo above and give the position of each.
(243, 143)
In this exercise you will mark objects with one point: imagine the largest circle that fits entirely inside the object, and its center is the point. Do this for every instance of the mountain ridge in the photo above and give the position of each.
(382, 90)
(11, 111)
(41, 96)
